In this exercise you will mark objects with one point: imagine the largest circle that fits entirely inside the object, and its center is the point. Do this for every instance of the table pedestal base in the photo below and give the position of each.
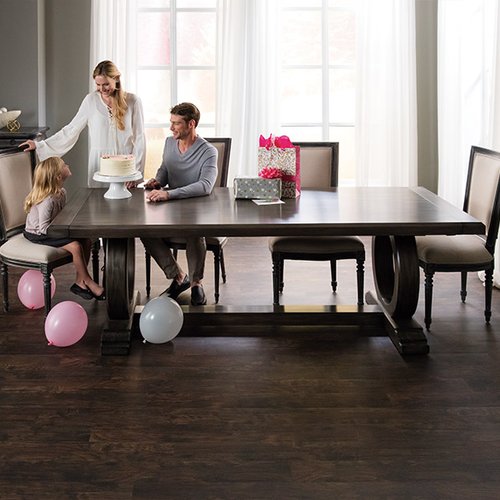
(117, 334)
(396, 273)
(228, 319)
(406, 334)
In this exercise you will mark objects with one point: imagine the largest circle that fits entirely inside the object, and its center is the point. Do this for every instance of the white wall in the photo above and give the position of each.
(18, 58)
(65, 74)
(67, 24)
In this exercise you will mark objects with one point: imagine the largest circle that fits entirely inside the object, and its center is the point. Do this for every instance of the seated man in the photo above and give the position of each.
(188, 169)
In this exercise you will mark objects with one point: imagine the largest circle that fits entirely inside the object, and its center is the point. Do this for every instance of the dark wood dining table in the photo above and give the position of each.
(393, 216)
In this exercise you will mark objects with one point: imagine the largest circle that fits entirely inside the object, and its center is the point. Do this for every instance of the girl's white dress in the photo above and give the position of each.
(104, 136)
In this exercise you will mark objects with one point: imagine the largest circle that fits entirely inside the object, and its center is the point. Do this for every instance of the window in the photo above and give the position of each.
(318, 74)
(176, 61)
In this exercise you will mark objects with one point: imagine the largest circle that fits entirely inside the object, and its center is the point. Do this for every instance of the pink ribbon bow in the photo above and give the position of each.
(270, 173)
(276, 173)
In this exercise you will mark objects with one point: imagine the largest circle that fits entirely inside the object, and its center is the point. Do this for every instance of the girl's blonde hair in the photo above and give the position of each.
(46, 181)
(119, 97)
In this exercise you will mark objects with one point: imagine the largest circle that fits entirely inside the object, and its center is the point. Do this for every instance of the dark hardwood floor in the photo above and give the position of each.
(269, 413)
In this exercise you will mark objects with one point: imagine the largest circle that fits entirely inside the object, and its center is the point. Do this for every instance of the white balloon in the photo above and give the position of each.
(161, 320)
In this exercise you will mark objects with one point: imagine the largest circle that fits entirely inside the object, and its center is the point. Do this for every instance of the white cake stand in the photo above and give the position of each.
(117, 189)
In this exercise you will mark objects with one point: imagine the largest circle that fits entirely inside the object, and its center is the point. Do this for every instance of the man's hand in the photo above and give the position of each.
(152, 184)
(157, 195)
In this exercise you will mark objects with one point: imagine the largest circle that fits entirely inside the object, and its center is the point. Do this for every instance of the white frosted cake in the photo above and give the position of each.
(117, 165)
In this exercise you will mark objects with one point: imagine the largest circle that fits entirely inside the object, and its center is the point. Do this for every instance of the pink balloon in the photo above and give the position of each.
(30, 289)
(66, 324)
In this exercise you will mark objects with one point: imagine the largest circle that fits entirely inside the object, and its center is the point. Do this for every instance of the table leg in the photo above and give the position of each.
(396, 276)
(121, 300)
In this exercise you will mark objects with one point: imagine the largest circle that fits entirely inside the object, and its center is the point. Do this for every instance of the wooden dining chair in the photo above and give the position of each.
(318, 170)
(16, 174)
(215, 244)
(467, 253)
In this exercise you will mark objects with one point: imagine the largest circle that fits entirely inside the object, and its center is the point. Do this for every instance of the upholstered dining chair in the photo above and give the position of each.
(467, 253)
(16, 173)
(318, 170)
(215, 244)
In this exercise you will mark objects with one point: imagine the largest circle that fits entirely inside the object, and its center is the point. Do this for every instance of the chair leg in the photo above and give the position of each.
(333, 271)
(5, 280)
(222, 265)
(46, 290)
(428, 299)
(96, 246)
(463, 289)
(276, 278)
(216, 274)
(488, 291)
(147, 256)
(360, 274)
(104, 268)
(281, 271)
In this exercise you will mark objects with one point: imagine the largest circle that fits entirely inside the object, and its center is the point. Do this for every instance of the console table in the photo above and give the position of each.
(9, 139)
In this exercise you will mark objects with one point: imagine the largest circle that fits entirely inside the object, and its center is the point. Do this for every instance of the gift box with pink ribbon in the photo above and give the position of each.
(278, 158)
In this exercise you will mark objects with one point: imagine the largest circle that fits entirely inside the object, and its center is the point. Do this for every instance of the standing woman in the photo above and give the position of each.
(115, 121)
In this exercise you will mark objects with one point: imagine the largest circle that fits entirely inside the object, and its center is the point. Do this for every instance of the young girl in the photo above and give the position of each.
(42, 204)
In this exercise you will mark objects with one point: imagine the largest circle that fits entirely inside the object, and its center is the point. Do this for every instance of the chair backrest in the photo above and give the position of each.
(223, 145)
(482, 192)
(16, 174)
(319, 164)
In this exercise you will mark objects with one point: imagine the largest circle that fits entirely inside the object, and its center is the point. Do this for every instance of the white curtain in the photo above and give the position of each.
(386, 111)
(468, 91)
(113, 36)
(467, 84)
(247, 77)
